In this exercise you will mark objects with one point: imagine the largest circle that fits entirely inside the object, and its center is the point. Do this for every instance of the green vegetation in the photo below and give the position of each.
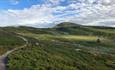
(67, 46)
(9, 41)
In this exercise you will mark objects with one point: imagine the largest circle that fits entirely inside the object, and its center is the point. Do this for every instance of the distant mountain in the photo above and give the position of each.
(67, 24)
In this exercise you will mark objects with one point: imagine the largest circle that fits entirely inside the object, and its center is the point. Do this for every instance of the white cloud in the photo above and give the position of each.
(89, 12)
(14, 1)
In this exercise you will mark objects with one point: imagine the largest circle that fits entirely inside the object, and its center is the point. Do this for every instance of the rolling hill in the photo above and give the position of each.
(67, 46)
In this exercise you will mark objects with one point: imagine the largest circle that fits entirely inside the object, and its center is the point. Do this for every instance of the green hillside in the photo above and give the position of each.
(67, 46)
(9, 40)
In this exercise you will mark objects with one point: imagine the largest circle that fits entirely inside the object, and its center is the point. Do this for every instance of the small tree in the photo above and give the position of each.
(98, 40)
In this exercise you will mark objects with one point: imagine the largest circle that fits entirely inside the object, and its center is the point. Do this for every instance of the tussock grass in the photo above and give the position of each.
(80, 38)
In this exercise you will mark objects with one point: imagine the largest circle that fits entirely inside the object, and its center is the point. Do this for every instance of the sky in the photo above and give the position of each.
(47, 13)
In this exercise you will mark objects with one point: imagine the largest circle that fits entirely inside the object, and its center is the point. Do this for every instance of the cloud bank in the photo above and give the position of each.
(51, 12)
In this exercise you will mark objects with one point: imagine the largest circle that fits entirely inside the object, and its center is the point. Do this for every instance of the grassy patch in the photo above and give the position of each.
(79, 38)
(8, 41)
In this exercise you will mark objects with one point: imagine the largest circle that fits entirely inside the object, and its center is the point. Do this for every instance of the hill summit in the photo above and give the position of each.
(67, 24)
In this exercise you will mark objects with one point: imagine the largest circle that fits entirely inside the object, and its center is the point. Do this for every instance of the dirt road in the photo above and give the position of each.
(3, 58)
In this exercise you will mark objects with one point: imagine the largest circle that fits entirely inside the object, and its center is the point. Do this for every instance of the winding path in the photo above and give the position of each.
(4, 56)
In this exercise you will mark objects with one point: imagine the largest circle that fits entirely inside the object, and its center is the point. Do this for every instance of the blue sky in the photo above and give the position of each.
(46, 13)
(18, 4)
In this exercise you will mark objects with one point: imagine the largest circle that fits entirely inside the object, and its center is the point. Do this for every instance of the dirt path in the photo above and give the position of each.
(4, 56)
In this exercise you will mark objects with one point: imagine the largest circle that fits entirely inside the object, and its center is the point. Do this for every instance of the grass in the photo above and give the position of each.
(9, 41)
(71, 37)
(79, 37)
(86, 41)
(51, 55)
(64, 48)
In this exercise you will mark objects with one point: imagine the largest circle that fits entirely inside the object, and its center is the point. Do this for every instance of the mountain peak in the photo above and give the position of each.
(67, 24)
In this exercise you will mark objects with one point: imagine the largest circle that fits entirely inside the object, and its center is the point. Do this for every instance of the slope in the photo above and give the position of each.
(65, 47)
